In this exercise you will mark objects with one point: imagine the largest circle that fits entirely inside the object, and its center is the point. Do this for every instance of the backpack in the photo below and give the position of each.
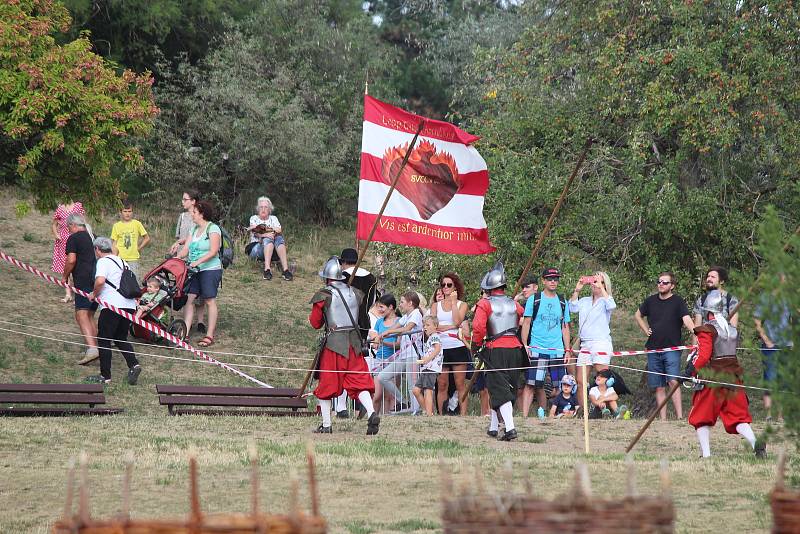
(128, 285)
(225, 246)
(537, 298)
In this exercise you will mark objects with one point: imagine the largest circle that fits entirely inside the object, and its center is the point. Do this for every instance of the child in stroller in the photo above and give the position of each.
(164, 291)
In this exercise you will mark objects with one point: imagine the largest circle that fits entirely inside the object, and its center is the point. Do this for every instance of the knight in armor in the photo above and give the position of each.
(494, 330)
(716, 360)
(336, 308)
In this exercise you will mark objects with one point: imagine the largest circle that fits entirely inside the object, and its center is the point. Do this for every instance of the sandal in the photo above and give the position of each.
(206, 341)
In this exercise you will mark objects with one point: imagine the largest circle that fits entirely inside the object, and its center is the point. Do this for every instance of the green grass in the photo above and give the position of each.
(386, 483)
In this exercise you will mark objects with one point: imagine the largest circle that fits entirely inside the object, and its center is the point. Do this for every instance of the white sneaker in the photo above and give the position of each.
(89, 356)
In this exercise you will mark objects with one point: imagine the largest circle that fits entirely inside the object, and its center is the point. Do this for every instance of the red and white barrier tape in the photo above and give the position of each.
(617, 352)
(149, 326)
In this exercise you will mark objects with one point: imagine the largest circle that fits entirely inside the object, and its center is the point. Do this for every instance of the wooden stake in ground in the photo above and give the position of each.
(585, 401)
(677, 385)
(363, 250)
(537, 246)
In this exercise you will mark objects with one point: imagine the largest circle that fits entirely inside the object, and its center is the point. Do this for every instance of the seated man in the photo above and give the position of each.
(266, 235)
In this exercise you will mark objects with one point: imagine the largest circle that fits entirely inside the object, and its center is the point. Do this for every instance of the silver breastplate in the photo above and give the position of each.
(503, 316)
(726, 342)
(336, 314)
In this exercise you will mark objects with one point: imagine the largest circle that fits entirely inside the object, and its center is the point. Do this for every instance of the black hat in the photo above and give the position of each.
(551, 272)
(349, 255)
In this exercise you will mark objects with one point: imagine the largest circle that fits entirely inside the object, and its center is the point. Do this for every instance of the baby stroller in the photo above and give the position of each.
(174, 276)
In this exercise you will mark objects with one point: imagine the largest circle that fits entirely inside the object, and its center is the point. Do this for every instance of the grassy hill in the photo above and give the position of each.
(381, 484)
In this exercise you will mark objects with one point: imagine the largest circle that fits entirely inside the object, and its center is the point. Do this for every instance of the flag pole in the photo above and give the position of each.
(363, 250)
(538, 245)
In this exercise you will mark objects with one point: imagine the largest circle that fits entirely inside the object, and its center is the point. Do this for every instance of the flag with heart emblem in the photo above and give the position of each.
(438, 201)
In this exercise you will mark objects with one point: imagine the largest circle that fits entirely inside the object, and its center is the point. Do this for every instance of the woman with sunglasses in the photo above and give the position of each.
(594, 320)
(451, 313)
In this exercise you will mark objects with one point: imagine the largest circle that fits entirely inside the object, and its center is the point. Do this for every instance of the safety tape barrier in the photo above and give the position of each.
(374, 372)
(145, 324)
(616, 352)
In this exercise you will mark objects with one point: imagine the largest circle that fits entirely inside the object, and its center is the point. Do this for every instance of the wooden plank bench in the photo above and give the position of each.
(88, 395)
(231, 400)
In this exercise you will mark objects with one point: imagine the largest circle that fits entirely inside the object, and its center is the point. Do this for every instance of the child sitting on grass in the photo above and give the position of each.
(431, 364)
(151, 298)
(565, 404)
(604, 398)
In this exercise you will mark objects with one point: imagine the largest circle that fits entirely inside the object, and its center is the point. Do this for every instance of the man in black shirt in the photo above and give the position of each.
(80, 263)
(365, 282)
(665, 313)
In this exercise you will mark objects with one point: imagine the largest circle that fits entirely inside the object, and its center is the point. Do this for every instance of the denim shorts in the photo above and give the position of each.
(205, 284)
(663, 362)
(257, 251)
(770, 363)
(82, 303)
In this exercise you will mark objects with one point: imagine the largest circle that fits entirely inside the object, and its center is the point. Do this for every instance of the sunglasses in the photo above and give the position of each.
(664, 282)
(551, 279)
(446, 284)
(184, 198)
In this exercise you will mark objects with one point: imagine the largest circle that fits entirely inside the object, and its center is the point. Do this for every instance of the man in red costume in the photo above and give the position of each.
(495, 328)
(716, 360)
(336, 307)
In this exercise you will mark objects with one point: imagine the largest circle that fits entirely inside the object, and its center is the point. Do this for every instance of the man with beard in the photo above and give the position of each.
(336, 307)
(716, 277)
(495, 328)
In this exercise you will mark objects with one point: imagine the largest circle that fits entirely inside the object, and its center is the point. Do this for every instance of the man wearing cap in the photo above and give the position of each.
(80, 262)
(495, 328)
(336, 307)
(716, 360)
(364, 281)
(545, 326)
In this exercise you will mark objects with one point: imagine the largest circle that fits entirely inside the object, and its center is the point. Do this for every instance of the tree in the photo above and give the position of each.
(281, 97)
(67, 117)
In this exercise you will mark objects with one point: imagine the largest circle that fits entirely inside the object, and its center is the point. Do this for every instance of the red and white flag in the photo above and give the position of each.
(438, 202)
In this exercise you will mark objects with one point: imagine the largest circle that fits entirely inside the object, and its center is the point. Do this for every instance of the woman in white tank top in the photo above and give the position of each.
(451, 312)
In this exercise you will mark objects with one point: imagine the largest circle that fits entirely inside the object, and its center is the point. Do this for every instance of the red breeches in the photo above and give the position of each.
(709, 404)
(332, 384)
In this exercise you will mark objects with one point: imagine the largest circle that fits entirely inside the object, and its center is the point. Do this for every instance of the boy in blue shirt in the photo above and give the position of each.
(545, 325)
(565, 404)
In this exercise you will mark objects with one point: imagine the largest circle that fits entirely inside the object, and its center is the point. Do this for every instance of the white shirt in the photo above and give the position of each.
(594, 317)
(595, 392)
(269, 222)
(112, 272)
(406, 341)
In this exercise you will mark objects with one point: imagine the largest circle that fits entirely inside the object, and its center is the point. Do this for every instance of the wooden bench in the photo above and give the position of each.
(232, 400)
(90, 395)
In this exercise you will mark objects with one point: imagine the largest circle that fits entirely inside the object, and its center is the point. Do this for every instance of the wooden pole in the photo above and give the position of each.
(675, 387)
(363, 250)
(537, 246)
(546, 229)
(585, 401)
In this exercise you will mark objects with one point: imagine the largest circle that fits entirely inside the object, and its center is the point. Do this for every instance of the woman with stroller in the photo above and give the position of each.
(201, 251)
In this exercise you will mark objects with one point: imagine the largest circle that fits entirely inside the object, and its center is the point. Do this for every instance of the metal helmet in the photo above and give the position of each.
(332, 270)
(496, 277)
(714, 302)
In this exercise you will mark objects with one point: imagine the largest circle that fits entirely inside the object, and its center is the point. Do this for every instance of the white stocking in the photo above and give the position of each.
(341, 402)
(366, 401)
(493, 422)
(325, 410)
(704, 437)
(747, 433)
(507, 413)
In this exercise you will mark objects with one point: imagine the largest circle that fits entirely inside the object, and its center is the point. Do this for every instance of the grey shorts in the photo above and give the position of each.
(426, 380)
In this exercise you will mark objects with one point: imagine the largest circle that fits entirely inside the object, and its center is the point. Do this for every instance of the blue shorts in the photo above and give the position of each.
(770, 363)
(82, 303)
(257, 252)
(205, 284)
(663, 362)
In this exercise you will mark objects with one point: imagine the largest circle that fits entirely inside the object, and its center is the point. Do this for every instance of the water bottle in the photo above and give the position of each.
(540, 412)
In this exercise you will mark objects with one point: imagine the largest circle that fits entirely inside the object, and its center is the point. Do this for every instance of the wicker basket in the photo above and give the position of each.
(574, 513)
(785, 503)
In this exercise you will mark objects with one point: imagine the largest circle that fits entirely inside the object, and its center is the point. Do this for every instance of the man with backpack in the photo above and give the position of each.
(112, 288)
(545, 327)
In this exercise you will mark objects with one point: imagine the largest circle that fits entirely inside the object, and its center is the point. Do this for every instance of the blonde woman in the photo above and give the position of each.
(594, 319)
